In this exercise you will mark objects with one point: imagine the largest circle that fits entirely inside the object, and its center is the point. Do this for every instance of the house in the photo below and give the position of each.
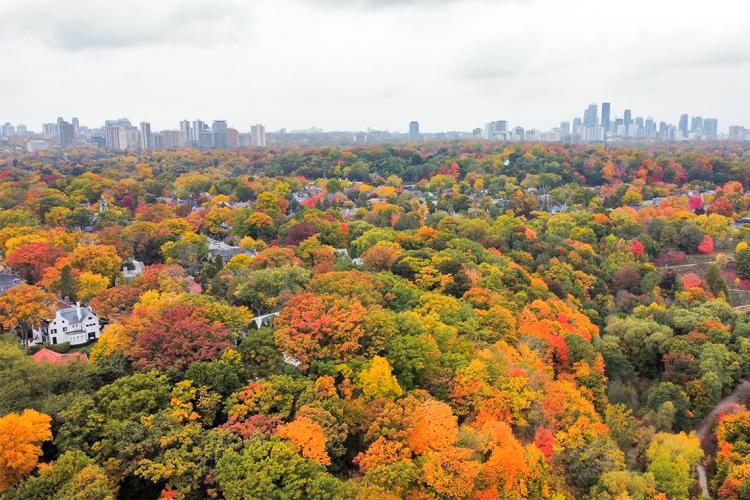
(9, 280)
(75, 324)
(216, 247)
(45, 355)
(137, 269)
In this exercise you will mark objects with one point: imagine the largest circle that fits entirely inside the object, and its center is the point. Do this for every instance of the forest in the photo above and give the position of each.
(458, 320)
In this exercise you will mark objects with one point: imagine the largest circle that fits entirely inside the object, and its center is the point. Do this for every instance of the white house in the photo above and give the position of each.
(75, 324)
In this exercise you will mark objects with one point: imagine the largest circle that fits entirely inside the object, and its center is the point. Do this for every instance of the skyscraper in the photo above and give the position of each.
(258, 135)
(76, 126)
(146, 137)
(414, 131)
(684, 125)
(696, 124)
(590, 116)
(606, 116)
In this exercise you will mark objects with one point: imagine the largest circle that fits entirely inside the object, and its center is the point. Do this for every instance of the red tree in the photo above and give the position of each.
(176, 337)
(31, 259)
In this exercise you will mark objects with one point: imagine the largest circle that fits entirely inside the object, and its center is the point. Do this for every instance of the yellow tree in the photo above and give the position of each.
(21, 437)
(377, 380)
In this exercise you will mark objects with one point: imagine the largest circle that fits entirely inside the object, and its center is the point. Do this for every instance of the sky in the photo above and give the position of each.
(354, 64)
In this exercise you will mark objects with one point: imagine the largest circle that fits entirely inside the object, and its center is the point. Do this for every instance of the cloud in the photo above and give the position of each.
(91, 24)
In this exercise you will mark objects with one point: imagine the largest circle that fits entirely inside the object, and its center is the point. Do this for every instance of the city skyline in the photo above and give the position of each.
(350, 65)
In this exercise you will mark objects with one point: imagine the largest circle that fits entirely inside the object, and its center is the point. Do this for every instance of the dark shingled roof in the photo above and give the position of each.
(8, 281)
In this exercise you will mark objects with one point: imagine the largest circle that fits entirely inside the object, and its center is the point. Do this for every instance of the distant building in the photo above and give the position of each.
(34, 145)
(737, 133)
(683, 126)
(172, 139)
(186, 130)
(414, 131)
(198, 127)
(146, 140)
(606, 116)
(258, 135)
(219, 129)
(590, 115)
(233, 138)
(711, 128)
(65, 134)
(696, 125)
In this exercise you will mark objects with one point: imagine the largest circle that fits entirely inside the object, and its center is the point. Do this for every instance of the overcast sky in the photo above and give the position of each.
(353, 64)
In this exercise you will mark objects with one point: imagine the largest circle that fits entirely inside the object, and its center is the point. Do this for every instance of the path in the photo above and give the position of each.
(742, 390)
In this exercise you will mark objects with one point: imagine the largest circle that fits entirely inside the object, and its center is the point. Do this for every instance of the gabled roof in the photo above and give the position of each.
(45, 355)
(70, 314)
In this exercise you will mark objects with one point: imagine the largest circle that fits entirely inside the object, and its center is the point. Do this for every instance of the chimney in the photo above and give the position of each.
(78, 310)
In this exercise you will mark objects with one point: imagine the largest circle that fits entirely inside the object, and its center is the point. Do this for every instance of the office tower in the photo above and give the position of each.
(8, 130)
(590, 115)
(696, 124)
(519, 134)
(186, 132)
(76, 126)
(564, 128)
(219, 129)
(627, 118)
(639, 121)
(414, 131)
(64, 133)
(576, 123)
(146, 140)
(21, 129)
(258, 135)
(684, 125)
(710, 128)
(477, 132)
(606, 116)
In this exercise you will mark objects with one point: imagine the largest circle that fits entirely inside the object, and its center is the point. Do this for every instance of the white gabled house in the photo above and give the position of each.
(75, 324)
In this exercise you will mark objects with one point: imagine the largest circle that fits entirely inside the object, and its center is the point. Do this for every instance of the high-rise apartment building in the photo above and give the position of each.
(65, 133)
(146, 136)
(258, 135)
(76, 126)
(186, 131)
(198, 127)
(219, 129)
(414, 131)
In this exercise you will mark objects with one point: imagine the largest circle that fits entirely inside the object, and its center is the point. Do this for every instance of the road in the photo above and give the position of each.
(740, 393)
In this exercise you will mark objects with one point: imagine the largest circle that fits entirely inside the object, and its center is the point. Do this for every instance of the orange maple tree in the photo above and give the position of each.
(21, 437)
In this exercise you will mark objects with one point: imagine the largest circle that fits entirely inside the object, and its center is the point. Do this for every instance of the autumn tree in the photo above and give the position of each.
(21, 437)
(308, 437)
(377, 380)
(31, 259)
(319, 327)
(174, 338)
(24, 307)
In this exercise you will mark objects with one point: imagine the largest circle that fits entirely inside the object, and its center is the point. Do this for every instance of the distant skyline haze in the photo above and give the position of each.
(350, 65)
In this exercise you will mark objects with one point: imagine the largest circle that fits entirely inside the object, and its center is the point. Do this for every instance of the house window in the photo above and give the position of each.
(65, 328)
